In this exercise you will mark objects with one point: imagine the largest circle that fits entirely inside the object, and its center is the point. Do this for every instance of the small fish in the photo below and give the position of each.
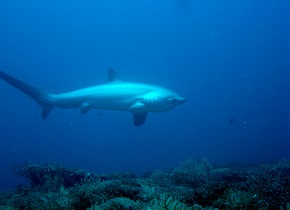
(231, 120)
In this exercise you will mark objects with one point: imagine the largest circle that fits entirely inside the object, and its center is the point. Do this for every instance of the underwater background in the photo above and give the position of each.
(229, 59)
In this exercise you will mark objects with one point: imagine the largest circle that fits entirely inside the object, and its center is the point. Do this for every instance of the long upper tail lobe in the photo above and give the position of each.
(44, 98)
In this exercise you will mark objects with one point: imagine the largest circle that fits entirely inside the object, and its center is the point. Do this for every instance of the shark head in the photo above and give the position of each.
(162, 100)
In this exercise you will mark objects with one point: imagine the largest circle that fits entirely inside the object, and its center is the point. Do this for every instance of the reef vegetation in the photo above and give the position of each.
(195, 184)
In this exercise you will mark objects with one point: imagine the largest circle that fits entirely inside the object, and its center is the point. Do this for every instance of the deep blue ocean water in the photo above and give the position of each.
(229, 59)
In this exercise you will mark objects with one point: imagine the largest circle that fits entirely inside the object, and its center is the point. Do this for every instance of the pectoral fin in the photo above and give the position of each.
(85, 108)
(139, 118)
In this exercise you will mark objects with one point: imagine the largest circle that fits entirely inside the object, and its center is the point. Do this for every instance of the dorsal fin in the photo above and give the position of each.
(113, 76)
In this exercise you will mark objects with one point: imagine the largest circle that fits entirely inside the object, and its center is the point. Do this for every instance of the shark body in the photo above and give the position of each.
(137, 98)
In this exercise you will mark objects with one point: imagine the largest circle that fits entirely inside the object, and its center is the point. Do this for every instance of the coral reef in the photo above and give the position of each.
(195, 184)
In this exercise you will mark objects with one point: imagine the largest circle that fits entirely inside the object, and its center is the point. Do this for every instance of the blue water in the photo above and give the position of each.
(230, 59)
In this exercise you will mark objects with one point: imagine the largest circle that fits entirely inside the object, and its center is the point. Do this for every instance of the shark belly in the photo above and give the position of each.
(108, 97)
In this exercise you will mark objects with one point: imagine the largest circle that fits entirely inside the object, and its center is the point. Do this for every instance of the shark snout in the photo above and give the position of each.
(180, 99)
(183, 100)
(177, 100)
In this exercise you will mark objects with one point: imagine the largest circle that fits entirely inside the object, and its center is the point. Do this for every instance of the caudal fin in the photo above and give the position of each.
(44, 98)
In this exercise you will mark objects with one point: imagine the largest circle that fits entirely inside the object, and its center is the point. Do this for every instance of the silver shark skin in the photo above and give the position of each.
(137, 98)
